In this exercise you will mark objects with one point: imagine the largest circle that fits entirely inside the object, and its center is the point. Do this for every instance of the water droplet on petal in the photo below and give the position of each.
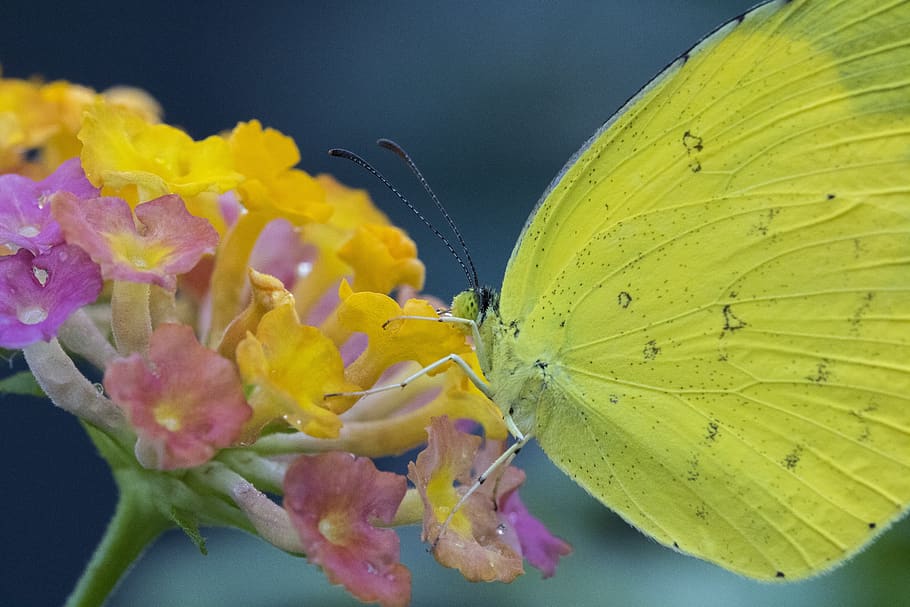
(41, 274)
(31, 315)
(304, 268)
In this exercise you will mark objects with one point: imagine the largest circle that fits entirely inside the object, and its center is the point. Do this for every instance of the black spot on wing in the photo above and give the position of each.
(822, 372)
(731, 321)
(791, 460)
(651, 350)
(693, 144)
(856, 319)
(624, 299)
(763, 226)
(713, 429)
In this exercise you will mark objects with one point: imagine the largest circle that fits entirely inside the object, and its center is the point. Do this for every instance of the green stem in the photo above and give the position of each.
(135, 525)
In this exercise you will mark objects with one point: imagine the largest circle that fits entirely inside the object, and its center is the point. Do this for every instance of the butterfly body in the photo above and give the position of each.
(706, 320)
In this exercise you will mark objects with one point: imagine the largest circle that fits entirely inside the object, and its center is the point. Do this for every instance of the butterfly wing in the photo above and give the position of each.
(719, 285)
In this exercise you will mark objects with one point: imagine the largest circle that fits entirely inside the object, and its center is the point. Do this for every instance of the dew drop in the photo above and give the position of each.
(304, 268)
(31, 315)
(41, 274)
(28, 231)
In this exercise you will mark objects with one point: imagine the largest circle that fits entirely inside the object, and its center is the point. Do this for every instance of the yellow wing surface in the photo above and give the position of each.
(707, 319)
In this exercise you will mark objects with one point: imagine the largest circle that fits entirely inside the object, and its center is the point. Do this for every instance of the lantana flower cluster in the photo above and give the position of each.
(235, 307)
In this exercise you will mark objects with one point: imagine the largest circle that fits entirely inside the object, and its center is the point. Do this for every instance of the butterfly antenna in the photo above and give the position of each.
(349, 155)
(397, 149)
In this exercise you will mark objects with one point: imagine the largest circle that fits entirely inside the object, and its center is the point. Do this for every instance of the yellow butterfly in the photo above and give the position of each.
(706, 320)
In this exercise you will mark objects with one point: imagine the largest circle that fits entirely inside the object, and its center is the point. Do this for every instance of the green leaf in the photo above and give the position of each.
(189, 523)
(22, 383)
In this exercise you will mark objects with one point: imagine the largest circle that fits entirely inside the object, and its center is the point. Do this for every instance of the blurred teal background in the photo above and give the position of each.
(490, 99)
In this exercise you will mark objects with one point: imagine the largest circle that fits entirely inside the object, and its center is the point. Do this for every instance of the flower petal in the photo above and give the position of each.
(38, 293)
(473, 542)
(382, 257)
(169, 241)
(332, 499)
(137, 161)
(271, 185)
(541, 548)
(185, 401)
(288, 368)
(25, 215)
(392, 340)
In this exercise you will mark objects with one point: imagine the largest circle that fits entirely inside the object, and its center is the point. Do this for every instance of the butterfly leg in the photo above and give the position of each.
(453, 358)
(500, 462)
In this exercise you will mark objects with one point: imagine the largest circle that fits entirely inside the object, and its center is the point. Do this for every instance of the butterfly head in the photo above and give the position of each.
(475, 304)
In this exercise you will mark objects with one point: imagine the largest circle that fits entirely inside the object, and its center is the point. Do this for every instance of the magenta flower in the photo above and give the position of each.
(38, 293)
(540, 547)
(69, 177)
(25, 215)
(185, 401)
(332, 499)
(163, 240)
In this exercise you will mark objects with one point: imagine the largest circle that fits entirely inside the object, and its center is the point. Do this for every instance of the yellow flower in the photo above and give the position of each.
(382, 257)
(391, 341)
(267, 294)
(271, 185)
(70, 101)
(287, 368)
(356, 242)
(26, 122)
(137, 161)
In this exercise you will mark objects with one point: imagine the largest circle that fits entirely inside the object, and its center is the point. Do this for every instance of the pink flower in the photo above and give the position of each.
(332, 499)
(185, 401)
(492, 530)
(166, 242)
(473, 541)
(38, 293)
(25, 215)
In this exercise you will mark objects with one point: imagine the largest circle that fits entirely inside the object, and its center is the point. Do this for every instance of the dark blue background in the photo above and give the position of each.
(490, 99)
